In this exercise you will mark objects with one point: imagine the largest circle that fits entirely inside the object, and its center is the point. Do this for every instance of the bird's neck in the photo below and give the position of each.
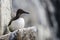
(17, 17)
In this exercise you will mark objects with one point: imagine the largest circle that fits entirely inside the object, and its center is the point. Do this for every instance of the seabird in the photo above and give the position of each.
(17, 22)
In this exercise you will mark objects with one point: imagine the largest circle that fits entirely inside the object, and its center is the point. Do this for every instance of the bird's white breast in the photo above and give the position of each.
(17, 24)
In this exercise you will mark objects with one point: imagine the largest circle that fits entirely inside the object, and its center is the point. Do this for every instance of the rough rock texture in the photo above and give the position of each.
(5, 37)
(21, 34)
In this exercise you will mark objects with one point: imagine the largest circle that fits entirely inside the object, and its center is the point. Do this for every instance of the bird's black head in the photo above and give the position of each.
(20, 11)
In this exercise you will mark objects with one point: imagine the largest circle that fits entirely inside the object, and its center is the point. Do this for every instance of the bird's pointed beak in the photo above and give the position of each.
(26, 12)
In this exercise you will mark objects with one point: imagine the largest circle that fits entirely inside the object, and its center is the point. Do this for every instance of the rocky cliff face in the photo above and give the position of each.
(5, 11)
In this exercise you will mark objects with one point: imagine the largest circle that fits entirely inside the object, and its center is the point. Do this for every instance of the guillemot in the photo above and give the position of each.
(17, 22)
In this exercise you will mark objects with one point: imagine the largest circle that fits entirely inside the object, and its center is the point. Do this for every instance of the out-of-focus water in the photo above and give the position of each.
(41, 12)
